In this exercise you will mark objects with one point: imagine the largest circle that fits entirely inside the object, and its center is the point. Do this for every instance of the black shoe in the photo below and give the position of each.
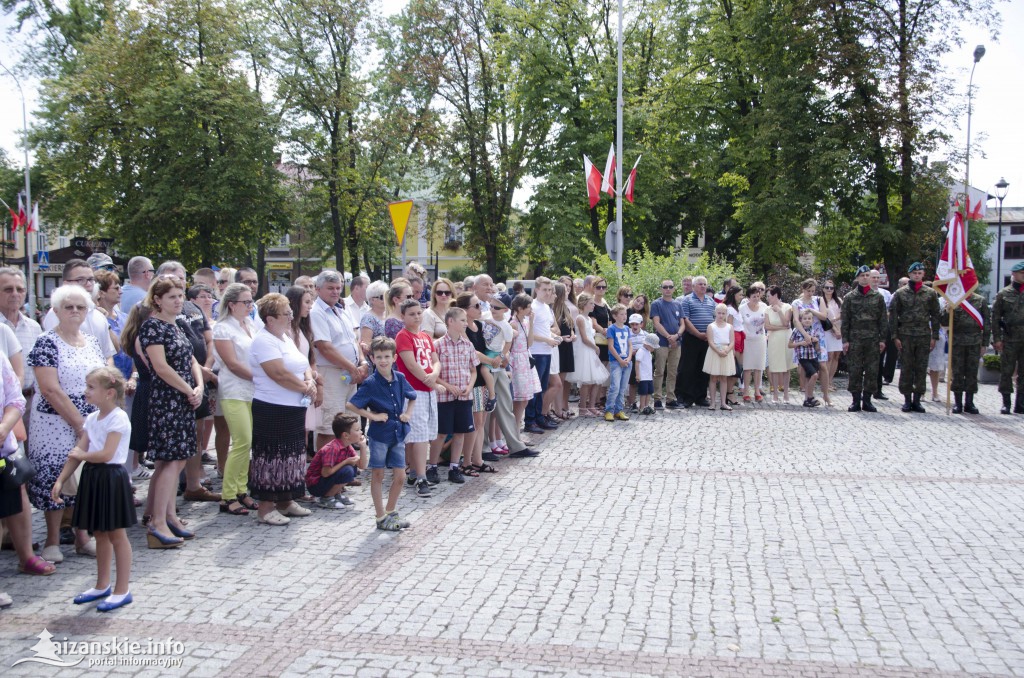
(432, 476)
(658, 405)
(866, 404)
(702, 403)
(958, 403)
(455, 475)
(969, 407)
(916, 406)
(880, 396)
(525, 452)
(552, 421)
(546, 424)
(410, 478)
(855, 407)
(67, 536)
(490, 456)
(1005, 409)
(423, 489)
(1018, 408)
(673, 405)
(634, 408)
(533, 428)
(683, 405)
(907, 404)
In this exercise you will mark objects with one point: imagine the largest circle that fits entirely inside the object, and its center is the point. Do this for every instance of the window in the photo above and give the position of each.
(285, 240)
(453, 235)
(1016, 230)
(1013, 250)
(41, 243)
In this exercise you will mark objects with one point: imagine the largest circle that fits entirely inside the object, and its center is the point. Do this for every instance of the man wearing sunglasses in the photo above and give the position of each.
(666, 314)
(140, 275)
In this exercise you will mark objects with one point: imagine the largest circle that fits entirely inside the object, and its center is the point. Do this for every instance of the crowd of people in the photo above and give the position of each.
(304, 393)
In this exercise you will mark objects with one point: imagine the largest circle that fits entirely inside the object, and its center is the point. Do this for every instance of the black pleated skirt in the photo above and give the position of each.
(104, 501)
(278, 467)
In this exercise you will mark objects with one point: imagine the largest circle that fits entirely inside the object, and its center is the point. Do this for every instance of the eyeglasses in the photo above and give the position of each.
(82, 281)
(250, 282)
(379, 296)
(247, 302)
(443, 293)
(150, 270)
(628, 295)
(75, 307)
(828, 287)
(668, 287)
(222, 282)
(600, 287)
(205, 296)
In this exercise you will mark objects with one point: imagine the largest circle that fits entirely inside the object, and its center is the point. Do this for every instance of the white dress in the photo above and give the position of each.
(715, 364)
(589, 369)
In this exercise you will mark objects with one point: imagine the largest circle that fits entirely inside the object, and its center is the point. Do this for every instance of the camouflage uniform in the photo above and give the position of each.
(915, 322)
(864, 325)
(968, 341)
(1008, 327)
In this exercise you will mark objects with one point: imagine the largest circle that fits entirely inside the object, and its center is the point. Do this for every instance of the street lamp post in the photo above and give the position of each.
(29, 277)
(1001, 188)
(979, 52)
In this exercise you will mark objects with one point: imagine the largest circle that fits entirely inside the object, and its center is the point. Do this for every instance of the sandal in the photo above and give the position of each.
(225, 507)
(484, 468)
(567, 415)
(470, 471)
(38, 567)
(250, 504)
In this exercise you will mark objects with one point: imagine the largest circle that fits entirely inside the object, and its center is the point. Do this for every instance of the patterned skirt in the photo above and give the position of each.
(278, 467)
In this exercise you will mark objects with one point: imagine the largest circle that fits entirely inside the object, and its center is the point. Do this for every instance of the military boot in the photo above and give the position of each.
(958, 402)
(1018, 408)
(866, 404)
(879, 395)
(907, 405)
(855, 407)
(916, 406)
(1005, 409)
(969, 407)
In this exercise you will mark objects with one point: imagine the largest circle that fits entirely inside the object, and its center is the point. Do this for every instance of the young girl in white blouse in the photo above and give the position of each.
(719, 362)
(104, 504)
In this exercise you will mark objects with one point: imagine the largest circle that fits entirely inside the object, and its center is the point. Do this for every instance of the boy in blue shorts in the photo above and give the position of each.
(386, 399)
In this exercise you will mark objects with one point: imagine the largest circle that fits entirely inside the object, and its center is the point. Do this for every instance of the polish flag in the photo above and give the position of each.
(628, 189)
(955, 278)
(593, 177)
(34, 221)
(22, 217)
(608, 185)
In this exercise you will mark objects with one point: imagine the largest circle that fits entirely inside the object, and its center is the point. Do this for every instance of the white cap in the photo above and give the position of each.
(636, 318)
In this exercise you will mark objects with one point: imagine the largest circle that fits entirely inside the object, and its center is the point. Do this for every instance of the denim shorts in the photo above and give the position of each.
(384, 456)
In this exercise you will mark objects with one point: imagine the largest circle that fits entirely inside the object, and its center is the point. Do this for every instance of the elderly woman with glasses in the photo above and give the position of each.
(440, 299)
(61, 357)
(371, 325)
(284, 387)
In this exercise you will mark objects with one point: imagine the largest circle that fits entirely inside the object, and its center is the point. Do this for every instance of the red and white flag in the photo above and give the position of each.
(608, 185)
(955, 278)
(630, 187)
(15, 219)
(593, 177)
(33, 222)
(22, 217)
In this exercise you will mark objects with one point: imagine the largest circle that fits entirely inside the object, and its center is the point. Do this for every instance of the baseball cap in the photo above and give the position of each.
(636, 318)
(651, 340)
(99, 260)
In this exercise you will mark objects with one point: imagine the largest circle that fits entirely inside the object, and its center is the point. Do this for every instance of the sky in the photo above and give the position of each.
(997, 148)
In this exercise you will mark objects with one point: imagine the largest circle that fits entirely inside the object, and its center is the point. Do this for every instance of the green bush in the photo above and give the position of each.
(644, 270)
(992, 362)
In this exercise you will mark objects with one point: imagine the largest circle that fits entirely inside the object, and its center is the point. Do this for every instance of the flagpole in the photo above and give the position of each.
(949, 356)
(619, 236)
(29, 277)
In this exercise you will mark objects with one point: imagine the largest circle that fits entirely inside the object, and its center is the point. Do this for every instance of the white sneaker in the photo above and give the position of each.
(141, 473)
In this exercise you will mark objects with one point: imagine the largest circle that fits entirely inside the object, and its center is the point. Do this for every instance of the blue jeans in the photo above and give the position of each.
(535, 408)
(617, 386)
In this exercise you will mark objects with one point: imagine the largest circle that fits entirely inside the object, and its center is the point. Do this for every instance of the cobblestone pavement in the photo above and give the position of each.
(770, 541)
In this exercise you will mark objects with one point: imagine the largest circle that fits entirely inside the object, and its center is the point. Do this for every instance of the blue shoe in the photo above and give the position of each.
(83, 598)
(184, 534)
(107, 607)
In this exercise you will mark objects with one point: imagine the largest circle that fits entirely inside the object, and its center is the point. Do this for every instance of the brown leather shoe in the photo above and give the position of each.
(354, 483)
(201, 494)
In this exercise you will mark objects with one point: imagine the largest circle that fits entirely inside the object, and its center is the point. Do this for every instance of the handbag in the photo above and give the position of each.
(18, 470)
(826, 324)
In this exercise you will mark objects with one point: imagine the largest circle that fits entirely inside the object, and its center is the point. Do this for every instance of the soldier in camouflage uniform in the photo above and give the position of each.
(864, 324)
(914, 318)
(1008, 338)
(968, 344)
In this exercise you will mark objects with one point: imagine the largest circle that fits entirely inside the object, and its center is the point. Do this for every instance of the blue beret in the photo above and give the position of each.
(916, 266)
(1019, 266)
(862, 270)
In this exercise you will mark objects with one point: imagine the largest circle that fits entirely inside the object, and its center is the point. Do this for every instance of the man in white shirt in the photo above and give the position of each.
(26, 330)
(483, 288)
(338, 356)
(140, 275)
(355, 302)
(77, 272)
(545, 341)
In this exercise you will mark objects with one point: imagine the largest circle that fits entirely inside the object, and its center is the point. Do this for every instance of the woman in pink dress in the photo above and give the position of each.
(525, 382)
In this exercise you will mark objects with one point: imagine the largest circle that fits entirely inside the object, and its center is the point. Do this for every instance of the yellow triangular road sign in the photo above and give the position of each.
(400, 212)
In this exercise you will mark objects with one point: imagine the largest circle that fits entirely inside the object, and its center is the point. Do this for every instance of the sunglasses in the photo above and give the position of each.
(443, 293)
(379, 296)
(476, 305)
(828, 287)
(668, 287)
(600, 287)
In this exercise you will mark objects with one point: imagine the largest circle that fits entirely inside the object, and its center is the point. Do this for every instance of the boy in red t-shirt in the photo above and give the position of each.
(419, 364)
(336, 464)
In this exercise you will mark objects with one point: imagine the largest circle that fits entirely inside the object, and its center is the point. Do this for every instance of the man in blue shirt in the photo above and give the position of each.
(666, 314)
(140, 275)
(698, 312)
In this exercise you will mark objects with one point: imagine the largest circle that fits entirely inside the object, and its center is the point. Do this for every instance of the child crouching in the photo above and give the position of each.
(336, 464)
(381, 399)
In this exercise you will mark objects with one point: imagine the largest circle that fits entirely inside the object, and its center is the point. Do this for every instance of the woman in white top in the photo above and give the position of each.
(834, 337)
(284, 388)
(440, 299)
(232, 338)
(755, 343)
(733, 297)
